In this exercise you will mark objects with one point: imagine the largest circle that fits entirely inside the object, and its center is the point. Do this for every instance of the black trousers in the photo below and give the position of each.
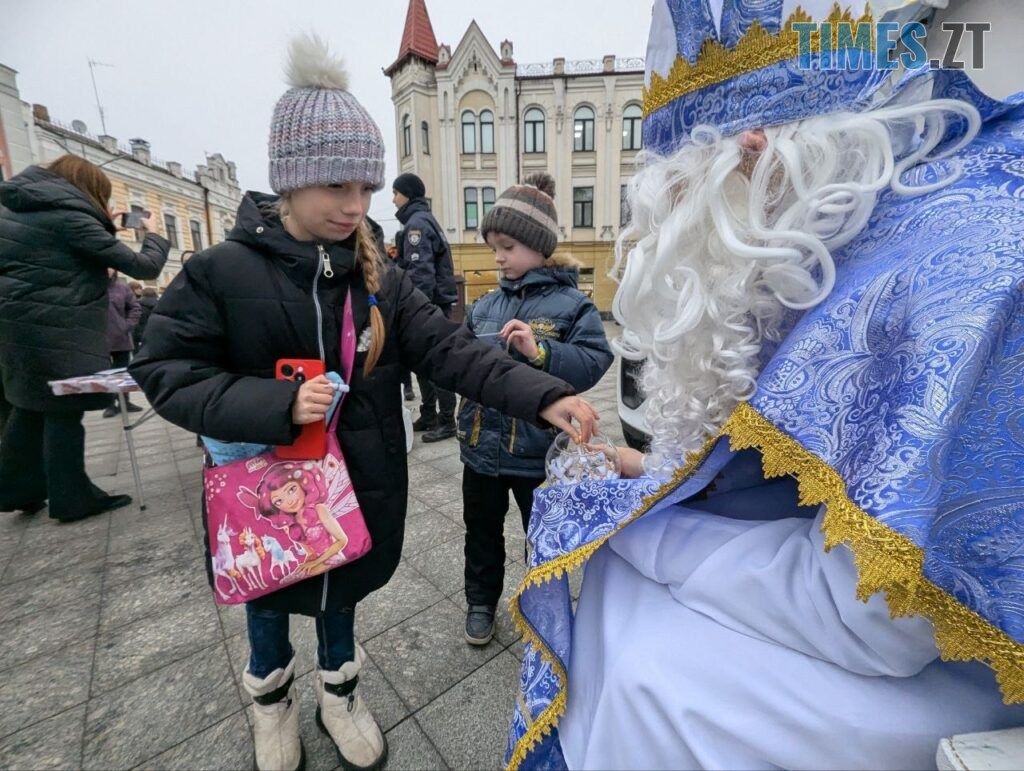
(42, 456)
(485, 504)
(436, 401)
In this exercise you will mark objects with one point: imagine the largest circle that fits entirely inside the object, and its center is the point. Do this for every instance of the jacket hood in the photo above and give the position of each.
(39, 189)
(258, 226)
(404, 214)
(559, 269)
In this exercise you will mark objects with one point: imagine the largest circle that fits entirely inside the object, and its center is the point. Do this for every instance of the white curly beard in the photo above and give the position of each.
(721, 245)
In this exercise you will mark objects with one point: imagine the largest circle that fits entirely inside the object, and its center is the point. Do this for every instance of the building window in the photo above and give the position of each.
(468, 133)
(171, 226)
(425, 136)
(583, 130)
(623, 206)
(488, 196)
(583, 207)
(533, 129)
(472, 210)
(487, 131)
(197, 235)
(139, 209)
(406, 137)
(631, 133)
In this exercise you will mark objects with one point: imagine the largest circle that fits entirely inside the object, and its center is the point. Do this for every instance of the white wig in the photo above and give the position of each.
(722, 242)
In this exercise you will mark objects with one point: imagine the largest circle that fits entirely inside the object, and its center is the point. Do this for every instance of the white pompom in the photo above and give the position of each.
(310, 64)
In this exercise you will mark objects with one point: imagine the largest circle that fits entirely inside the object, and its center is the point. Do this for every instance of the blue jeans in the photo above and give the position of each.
(271, 649)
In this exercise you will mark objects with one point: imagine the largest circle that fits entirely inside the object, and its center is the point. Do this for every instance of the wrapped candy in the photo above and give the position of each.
(568, 463)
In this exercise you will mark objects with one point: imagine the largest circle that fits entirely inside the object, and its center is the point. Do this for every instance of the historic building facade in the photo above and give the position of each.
(194, 209)
(471, 122)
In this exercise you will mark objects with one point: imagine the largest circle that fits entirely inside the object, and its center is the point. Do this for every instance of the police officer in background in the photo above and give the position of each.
(424, 253)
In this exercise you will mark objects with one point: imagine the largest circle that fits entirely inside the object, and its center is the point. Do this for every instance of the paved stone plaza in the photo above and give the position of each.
(115, 656)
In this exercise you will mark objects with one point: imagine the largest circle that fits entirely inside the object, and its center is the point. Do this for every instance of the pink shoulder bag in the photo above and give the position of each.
(273, 522)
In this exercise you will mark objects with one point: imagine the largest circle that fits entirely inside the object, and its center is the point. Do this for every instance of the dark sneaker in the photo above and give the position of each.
(410, 395)
(25, 509)
(424, 424)
(439, 434)
(479, 624)
(134, 407)
(111, 412)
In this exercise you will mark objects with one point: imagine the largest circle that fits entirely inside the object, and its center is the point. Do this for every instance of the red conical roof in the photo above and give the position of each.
(418, 38)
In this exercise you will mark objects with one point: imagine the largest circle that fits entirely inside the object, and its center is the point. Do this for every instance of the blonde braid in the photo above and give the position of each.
(370, 262)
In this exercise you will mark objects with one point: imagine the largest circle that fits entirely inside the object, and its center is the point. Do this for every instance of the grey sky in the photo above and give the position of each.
(193, 76)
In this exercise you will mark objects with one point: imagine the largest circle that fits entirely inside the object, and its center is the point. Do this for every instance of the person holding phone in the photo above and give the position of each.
(290, 263)
(57, 241)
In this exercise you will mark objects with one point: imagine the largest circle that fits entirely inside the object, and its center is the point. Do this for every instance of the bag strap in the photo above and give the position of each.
(348, 354)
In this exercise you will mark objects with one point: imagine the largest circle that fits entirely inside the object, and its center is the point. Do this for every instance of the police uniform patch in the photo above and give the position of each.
(414, 257)
(414, 237)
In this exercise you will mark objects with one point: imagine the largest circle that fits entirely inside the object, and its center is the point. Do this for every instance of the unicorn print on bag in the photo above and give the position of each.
(297, 498)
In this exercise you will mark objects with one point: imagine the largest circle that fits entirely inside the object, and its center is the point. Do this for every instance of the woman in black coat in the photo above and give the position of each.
(277, 289)
(57, 240)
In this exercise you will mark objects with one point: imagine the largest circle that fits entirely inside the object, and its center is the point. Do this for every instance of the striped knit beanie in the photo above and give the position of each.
(320, 134)
(526, 213)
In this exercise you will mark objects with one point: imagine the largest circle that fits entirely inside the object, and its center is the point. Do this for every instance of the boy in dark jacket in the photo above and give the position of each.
(424, 253)
(539, 316)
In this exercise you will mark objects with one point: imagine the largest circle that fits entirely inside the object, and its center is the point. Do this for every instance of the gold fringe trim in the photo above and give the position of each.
(756, 50)
(886, 562)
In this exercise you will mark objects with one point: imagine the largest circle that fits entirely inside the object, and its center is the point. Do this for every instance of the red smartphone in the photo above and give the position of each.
(312, 442)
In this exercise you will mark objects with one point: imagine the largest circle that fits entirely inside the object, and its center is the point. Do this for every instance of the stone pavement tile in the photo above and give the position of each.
(46, 533)
(409, 749)
(150, 594)
(423, 474)
(150, 715)
(448, 466)
(427, 531)
(30, 595)
(426, 655)
(423, 452)
(41, 561)
(47, 630)
(226, 745)
(141, 647)
(504, 629)
(469, 723)
(232, 618)
(405, 595)
(133, 565)
(44, 686)
(12, 524)
(446, 490)
(155, 534)
(55, 743)
(443, 565)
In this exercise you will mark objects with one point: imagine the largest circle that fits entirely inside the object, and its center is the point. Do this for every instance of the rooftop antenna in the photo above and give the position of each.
(93, 64)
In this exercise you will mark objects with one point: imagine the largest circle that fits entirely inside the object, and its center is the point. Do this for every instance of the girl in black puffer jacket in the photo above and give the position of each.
(276, 289)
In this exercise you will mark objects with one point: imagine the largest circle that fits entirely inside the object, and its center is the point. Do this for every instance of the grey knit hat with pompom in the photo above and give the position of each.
(320, 134)
(526, 213)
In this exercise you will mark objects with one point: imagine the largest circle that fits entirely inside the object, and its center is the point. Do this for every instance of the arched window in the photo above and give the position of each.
(487, 131)
(533, 130)
(631, 133)
(406, 136)
(468, 132)
(583, 130)
(425, 137)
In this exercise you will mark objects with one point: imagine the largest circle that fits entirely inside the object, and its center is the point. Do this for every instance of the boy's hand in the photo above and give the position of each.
(313, 401)
(519, 335)
(632, 462)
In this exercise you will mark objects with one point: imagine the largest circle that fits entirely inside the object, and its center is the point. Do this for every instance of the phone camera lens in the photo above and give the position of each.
(287, 370)
(300, 378)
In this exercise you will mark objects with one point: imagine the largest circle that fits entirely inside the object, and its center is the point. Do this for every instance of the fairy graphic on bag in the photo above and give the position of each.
(297, 497)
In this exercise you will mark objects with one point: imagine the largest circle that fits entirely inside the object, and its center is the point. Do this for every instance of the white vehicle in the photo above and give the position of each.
(630, 400)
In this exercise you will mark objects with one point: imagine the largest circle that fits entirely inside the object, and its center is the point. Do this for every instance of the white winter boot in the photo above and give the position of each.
(342, 714)
(276, 729)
